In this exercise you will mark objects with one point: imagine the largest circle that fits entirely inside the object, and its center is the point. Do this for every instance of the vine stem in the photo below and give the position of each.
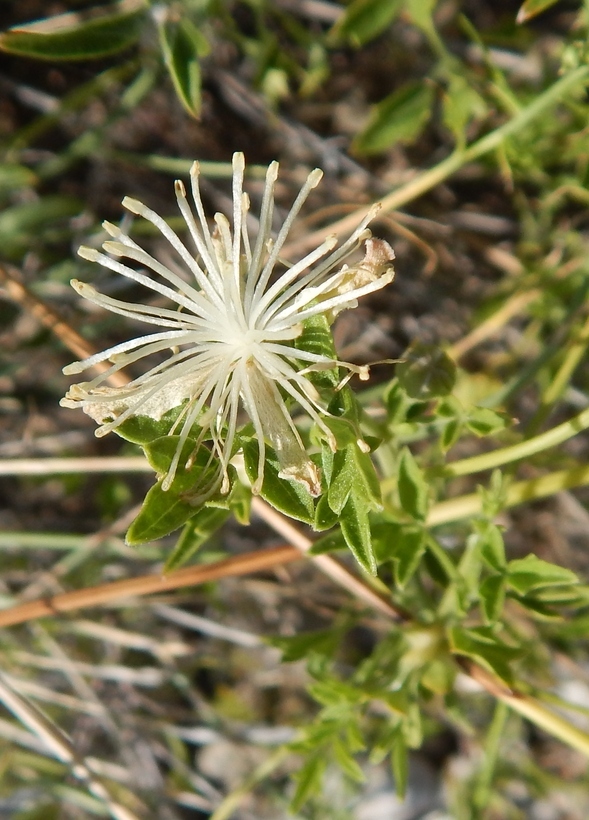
(426, 180)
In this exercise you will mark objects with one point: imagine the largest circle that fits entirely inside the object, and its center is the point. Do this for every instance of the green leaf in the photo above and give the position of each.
(426, 372)
(420, 12)
(480, 644)
(23, 224)
(347, 763)
(461, 104)
(14, 176)
(88, 35)
(451, 433)
(161, 513)
(353, 474)
(412, 486)
(297, 647)
(355, 528)
(485, 422)
(400, 117)
(290, 497)
(325, 517)
(492, 595)
(491, 545)
(308, 780)
(161, 451)
(364, 20)
(401, 543)
(533, 7)
(182, 46)
(400, 764)
(531, 572)
(143, 429)
(203, 523)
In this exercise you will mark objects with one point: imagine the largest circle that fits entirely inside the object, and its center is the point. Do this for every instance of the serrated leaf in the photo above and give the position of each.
(355, 528)
(363, 20)
(426, 372)
(412, 486)
(531, 8)
(182, 46)
(88, 35)
(492, 595)
(400, 117)
(289, 497)
(201, 526)
(530, 573)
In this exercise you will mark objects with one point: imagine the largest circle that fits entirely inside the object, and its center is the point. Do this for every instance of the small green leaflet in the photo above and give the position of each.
(363, 20)
(531, 573)
(400, 117)
(412, 486)
(183, 46)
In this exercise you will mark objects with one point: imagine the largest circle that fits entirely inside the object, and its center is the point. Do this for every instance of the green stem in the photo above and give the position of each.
(551, 722)
(492, 744)
(427, 180)
(534, 445)
(464, 506)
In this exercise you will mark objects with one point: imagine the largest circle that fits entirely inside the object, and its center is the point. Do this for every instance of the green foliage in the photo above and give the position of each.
(77, 35)
(363, 20)
(182, 47)
(426, 372)
(505, 147)
(399, 117)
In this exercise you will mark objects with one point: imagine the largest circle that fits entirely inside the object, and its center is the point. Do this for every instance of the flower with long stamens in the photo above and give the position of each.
(230, 336)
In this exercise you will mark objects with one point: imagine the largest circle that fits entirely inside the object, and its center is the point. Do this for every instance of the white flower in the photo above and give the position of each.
(230, 333)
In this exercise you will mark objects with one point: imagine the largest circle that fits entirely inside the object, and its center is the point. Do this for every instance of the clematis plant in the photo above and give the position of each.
(245, 331)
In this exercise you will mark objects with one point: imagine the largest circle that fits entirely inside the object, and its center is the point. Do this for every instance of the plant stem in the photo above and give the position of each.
(427, 180)
(537, 444)
(464, 506)
(551, 722)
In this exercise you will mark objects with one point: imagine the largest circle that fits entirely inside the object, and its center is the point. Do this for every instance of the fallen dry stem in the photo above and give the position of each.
(149, 584)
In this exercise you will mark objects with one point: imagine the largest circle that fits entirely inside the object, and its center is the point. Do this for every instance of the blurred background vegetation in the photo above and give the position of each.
(176, 706)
